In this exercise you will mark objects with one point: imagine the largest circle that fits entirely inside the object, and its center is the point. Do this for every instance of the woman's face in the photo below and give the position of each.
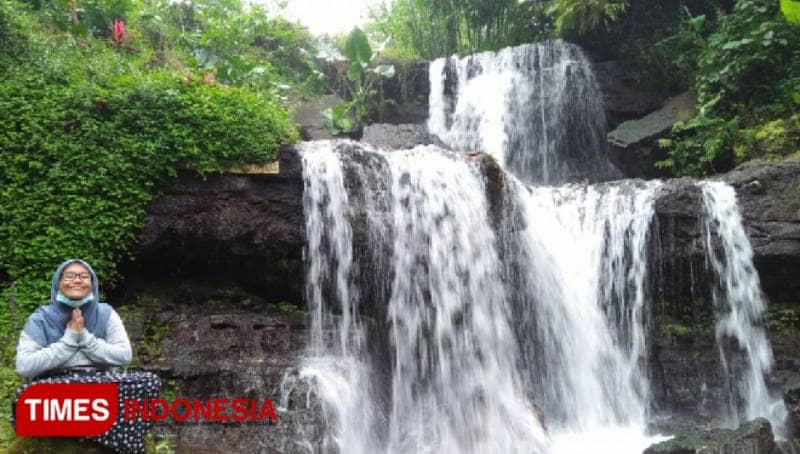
(79, 286)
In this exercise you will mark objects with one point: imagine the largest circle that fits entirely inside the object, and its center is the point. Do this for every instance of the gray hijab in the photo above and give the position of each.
(48, 323)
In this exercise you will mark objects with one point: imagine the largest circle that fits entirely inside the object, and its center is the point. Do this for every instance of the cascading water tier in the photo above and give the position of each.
(459, 308)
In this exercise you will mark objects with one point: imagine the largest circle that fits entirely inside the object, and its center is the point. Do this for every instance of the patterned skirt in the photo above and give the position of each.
(125, 436)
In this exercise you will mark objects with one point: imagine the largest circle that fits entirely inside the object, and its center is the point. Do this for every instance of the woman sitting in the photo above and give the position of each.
(75, 330)
(77, 339)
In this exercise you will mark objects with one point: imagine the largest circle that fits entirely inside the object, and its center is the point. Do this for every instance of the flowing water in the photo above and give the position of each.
(517, 105)
(457, 308)
(741, 308)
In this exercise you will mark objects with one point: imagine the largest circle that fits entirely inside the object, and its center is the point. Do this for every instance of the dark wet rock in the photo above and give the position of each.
(753, 437)
(769, 199)
(247, 228)
(792, 400)
(214, 340)
(397, 137)
(769, 195)
(632, 145)
(684, 363)
(624, 98)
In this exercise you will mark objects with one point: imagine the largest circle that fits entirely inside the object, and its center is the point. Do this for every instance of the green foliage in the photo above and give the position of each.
(432, 29)
(670, 63)
(244, 47)
(358, 76)
(87, 136)
(9, 382)
(159, 444)
(791, 10)
(783, 319)
(747, 88)
(581, 16)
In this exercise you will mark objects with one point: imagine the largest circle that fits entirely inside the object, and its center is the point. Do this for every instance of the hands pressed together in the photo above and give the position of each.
(76, 322)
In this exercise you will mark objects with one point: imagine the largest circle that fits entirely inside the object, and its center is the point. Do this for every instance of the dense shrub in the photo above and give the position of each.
(86, 138)
(432, 29)
(748, 91)
(91, 127)
(84, 160)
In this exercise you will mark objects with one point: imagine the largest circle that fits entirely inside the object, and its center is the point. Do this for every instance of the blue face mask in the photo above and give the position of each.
(61, 298)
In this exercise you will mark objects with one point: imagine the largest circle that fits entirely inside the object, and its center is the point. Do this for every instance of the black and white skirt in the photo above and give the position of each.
(125, 436)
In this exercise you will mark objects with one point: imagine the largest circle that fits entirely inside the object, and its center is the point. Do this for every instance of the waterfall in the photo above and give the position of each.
(454, 386)
(740, 306)
(582, 310)
(458, 306)
(335, 366)
(536, 108)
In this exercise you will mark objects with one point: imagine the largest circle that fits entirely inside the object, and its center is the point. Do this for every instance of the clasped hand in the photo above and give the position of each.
(76, 322)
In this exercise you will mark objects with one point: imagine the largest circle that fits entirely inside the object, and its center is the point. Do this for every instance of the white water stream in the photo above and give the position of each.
(741, 307)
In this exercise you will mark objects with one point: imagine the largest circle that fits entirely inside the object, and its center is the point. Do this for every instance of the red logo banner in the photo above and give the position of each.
(67, 409)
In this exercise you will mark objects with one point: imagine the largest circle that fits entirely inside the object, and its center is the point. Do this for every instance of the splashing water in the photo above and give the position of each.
(583, 317)
(740, 307)
(335, 367)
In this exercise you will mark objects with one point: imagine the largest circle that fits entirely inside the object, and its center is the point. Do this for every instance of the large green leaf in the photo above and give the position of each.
(355, 71)
(357, 48)
(791, 9)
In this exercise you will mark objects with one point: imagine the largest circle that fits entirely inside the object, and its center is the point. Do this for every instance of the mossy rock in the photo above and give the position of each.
(751, 437)
(63, 445)
(53, 445)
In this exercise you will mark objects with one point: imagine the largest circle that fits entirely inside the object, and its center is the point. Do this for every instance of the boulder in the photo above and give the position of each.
(623, 95)
(308, 116)
(398, 137)
(627, 141)
(245, 228)
(754, 437)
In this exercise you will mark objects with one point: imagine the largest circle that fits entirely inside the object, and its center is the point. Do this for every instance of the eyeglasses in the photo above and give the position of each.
(73, 276)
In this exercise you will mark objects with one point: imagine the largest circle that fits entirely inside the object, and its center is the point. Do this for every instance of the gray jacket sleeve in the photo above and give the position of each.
(115, 350)
(33, 359)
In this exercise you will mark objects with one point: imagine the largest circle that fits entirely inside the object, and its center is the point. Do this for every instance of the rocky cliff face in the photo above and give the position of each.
(684, 362)
(214, 297)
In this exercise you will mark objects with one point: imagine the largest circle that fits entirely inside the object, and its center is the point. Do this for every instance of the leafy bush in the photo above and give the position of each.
(748, 92)
(87, 138)
(670, 63)
(88, 165)
(357, 73)
(585, 15)
(432, 28)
